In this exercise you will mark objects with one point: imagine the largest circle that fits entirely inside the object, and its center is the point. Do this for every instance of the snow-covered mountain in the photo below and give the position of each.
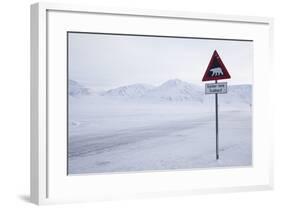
(130, 91)
(174, 90)
(76, 89)
(238, 94)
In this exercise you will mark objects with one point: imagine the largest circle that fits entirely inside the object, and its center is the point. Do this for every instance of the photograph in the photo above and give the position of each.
(140, 103)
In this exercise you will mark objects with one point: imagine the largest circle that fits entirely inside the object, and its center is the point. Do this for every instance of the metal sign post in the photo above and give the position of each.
(216, 88)
(216, 71)
(217, 126)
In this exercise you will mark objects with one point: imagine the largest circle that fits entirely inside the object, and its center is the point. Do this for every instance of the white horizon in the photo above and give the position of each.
(155, 86)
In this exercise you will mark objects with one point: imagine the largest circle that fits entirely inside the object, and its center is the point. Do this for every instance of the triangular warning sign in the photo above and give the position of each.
(216, 69)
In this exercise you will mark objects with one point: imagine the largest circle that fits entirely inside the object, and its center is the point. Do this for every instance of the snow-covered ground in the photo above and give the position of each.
(142, 127)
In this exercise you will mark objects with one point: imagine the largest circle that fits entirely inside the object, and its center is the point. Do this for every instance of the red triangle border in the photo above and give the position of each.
(225, 75)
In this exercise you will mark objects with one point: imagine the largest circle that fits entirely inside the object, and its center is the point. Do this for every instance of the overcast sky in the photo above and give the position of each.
(107, 61)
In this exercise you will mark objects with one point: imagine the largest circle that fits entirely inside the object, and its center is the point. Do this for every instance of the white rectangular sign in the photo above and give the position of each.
(213, 88)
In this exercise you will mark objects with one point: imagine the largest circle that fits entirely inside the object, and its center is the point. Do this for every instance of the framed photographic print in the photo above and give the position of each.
(133, 103)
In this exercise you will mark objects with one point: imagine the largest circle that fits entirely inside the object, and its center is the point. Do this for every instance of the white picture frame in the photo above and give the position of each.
(49, 181)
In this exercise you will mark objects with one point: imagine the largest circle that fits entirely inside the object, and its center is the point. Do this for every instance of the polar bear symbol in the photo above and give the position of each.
(216, 71)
